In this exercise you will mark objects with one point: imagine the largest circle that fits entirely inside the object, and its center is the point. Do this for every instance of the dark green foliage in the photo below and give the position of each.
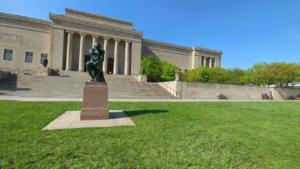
(152, 68)
(202, 74)
(158, 71)
(168, 73)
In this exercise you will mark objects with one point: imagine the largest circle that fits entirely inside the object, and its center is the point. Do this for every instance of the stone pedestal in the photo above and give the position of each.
(95, 101)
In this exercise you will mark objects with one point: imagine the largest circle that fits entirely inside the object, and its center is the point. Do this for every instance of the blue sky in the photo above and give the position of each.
(247, 31)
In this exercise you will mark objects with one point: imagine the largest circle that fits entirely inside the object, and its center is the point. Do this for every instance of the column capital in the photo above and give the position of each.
(82, 33)
(69, 31)
(95, 36)
(105, 37)
(127, 40)
(117, 39)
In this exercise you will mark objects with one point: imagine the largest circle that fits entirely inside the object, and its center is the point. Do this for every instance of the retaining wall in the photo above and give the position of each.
(198, 90)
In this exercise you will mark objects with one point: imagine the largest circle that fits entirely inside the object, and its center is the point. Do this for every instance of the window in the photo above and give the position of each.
(43, 57)
(76, 67)
(185, 70)
(179, 69)
(120, 70)
(8, 54)
(28, 57)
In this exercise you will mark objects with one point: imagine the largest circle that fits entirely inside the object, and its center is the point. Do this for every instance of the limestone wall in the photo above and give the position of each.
(21, 35)
(198, 90)
(179, 55)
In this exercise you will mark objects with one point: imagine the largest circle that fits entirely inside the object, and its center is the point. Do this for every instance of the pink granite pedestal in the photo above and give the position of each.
(95, 101)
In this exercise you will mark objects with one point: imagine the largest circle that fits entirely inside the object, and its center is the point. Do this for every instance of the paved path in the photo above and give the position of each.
(39, 99)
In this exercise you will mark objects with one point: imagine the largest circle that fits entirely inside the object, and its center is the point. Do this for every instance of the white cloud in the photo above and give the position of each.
(289, 30)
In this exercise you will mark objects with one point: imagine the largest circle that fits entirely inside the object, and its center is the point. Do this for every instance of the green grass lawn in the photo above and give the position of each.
(166, 135)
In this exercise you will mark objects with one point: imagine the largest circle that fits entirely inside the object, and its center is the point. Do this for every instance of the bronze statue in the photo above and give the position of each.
(94, 66)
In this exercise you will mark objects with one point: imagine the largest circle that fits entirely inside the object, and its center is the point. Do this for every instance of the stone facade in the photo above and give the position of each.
(66, 40)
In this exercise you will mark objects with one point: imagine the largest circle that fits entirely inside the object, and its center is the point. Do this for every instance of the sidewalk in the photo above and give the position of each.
(39, 99)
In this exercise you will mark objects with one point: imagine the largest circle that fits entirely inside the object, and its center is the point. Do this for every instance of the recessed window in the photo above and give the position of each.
(28, 57)
(120, 70)
(8, 54)
(185, 70)
(43, 57)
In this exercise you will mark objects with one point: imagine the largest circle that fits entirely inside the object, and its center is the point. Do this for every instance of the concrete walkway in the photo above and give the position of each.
(49, 99)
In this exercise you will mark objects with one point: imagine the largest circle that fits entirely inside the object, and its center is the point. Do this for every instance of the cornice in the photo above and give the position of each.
(166, 44)
(91, 24)
(97, 16)
(24, 18)
(197, 48)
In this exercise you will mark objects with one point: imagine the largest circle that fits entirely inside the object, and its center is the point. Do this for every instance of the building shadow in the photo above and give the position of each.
(141, 112)
(9, 84)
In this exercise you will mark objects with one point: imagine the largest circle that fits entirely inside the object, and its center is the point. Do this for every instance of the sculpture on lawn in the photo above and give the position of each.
(94, 66)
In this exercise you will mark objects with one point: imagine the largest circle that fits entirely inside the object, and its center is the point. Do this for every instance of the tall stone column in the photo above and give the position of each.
(126, 69)
(210, 61)
(116, 53)
(105, 47)
(69, 50)
(204, 64)
(217, 62)
(199, 61)
(94, 39)
(81, 51)
(220, 62)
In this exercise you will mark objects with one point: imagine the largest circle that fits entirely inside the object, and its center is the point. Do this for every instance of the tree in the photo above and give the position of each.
(202, 74)
(253, 75)
(217, 75)
(152, 68)
(168, 73)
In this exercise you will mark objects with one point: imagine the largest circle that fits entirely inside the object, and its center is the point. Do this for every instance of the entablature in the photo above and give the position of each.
(166, 44)
(62, 18)
(98, 18)
(197, 48)
(24, 18)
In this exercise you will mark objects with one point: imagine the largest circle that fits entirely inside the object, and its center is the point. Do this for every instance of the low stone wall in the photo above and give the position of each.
(7, 73)
(141, 78)
(198, 90)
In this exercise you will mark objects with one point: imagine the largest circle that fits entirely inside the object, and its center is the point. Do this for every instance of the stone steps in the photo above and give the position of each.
(71, 84)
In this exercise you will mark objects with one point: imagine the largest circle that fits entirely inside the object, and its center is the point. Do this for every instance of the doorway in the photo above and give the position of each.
(110, 65)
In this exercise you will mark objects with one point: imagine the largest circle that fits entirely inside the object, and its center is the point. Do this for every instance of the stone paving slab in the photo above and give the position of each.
(50, 99)
(71, 119)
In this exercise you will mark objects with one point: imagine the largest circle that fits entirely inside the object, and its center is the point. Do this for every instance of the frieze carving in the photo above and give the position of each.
(11, 38)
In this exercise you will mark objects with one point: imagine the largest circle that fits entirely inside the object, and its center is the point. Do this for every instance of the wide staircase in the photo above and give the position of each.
(71, 83)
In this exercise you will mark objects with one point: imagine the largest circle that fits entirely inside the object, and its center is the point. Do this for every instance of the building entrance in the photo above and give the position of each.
(110, 65)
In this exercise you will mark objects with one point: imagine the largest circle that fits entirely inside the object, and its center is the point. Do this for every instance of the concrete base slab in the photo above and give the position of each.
(71, 119)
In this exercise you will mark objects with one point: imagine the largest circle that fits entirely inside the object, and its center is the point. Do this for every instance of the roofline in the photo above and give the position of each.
(24, 18)
(91, 24)
(98, 16)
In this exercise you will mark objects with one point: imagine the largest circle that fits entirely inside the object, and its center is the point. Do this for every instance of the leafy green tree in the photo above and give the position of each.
(218, 75)
(254, 75)
(202, 74)
(168, 73)
(234, 76)
(152, 68)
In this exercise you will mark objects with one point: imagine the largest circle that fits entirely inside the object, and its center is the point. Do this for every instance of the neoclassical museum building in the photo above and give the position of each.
(66, 40)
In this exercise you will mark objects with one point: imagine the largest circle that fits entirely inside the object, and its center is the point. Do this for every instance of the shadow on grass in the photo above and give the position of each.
(141, 112)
